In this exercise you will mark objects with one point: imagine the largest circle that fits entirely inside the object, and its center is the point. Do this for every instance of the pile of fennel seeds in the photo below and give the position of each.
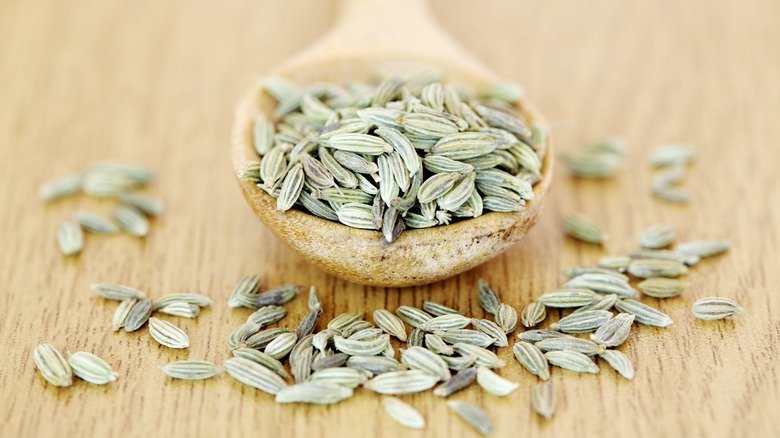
(403, 153)
(438, 347)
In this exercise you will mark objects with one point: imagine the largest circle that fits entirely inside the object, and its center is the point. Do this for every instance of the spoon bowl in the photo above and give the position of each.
(360, 48)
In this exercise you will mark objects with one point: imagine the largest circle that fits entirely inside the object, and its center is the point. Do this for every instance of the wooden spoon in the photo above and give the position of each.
(375, 37)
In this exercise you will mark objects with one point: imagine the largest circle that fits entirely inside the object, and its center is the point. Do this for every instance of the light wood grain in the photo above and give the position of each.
(156, 82)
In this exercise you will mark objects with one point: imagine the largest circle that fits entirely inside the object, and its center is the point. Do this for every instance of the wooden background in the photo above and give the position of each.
(156, 82)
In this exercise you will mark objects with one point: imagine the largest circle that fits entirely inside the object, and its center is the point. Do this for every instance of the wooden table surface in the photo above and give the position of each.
(156, 82)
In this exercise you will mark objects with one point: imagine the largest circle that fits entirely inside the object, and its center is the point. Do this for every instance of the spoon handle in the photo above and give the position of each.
(390, 16)
(383, 26)
(380, 30)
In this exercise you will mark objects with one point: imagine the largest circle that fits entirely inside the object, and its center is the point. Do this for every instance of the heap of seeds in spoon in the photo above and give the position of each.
(405, 153)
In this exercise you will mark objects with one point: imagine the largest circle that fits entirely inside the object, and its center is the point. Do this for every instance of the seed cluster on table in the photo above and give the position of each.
(444, 349)
(109, 179)
(603, 159)
(405, 153)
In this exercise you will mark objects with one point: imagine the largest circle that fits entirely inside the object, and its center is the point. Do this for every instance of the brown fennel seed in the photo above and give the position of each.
(117, 291)
(120, 315)
(570, 343)
(647, 268)
(582, 322)
(437, 309)
(401, 382)
(467, 336)
(403, 413)
(617, 263)
(666, 254)
(131, 220)
(343, 320)
(276, 296)
(459, 381)
(374, 364)
(180, 308)
(331, 361)
(534, 336)
(713, 308)
(247, 286)
(703, 248)
(532, 359)
(543, 400)
(250, 335)
(473, 416)
(291, 188)
(488, 298)
(302, 357)
(491, 329)
(495, 384)
(445, 322)
(602, 284)
(659, 287)
(188, 298)
(145, 204)
(412, 316)
(643, 313)
(370, 347)
(307, 324)
(506, 317)
(281, 345)
(70, 238)
(53, 367)
(567, 298)
(571, 360)
(138, 315)
(583, 228)
(95, 223)
(533, 314)
(416, 338)
(262, 359)
(255, 375)
(437, 345)
(586, 163)
(419, 358)
(615, 331)
(168, 334)
(658, 236)
(579, 270)
(606, 303)
(191, 369)
(671, 154)
(91, 368)
(619, 362)
(340, 376)
(358, 326)
(267, 315)
(240, 335)
(460, 363)
(390, 324)
(61, 187)
(484, 357)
